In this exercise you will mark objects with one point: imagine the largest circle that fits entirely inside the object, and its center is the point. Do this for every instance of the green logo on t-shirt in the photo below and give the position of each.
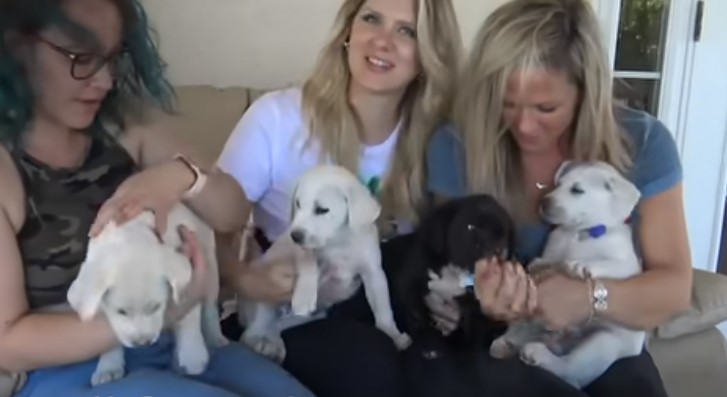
(374, 185)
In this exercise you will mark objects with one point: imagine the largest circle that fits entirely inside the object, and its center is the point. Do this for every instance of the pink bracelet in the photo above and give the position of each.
(200, 178)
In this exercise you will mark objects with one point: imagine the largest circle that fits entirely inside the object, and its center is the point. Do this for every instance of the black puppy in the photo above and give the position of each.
(447, 244)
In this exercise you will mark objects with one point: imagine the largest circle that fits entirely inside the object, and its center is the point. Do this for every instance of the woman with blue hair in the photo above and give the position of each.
(77, 78)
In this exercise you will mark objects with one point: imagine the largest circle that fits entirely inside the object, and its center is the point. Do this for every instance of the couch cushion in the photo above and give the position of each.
(709, 307)
(693, 365)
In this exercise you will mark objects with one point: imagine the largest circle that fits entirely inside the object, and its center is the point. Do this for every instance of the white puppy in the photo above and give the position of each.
(589, 206)
(130, 275)
(335, 240)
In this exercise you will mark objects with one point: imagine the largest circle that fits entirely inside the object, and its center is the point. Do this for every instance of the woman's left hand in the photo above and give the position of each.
(563, 302)
(197, 289)
(157, 188)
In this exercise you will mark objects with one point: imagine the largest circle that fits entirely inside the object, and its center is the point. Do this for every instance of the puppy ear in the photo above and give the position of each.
(177, 271)
(626, 195)
(294, 199)
(88, 289)
(565, 166)
(363, 208)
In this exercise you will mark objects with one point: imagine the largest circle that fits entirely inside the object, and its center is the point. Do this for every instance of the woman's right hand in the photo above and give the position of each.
(272, 282)
(506, 293)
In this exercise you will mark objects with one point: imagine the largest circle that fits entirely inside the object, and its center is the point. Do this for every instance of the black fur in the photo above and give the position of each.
(459, 232)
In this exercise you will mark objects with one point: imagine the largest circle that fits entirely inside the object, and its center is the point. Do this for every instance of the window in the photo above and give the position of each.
(639, 56)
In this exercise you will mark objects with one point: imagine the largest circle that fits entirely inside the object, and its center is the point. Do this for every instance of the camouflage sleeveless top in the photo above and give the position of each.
(61, 205)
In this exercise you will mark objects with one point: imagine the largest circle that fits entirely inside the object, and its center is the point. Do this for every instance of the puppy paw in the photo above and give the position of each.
(535, 354)
(501, 348)
(217, 341)
(214, 338)
(539, 267)
(303, 303)
(448, 284)
(110, 367)
(105, 375)
(271, 346)
(192, 358)
(401, 340)
(578, 269)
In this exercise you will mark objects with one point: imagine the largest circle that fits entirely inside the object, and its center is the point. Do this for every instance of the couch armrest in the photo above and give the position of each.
(708, 308)
(693, 365)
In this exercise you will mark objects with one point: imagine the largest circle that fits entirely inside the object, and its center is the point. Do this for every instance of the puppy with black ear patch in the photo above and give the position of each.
(335, 242)
(448, 243)
(591, 240)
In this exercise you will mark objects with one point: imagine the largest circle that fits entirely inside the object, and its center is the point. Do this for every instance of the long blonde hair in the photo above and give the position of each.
(333, 123)
(558, 35)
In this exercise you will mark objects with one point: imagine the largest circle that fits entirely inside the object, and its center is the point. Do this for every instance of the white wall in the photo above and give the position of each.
(257, 43)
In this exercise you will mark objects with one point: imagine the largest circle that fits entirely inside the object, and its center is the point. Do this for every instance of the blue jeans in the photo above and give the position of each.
(233, 371)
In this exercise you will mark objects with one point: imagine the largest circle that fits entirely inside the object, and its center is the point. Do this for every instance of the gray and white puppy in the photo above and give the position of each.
(589, 207)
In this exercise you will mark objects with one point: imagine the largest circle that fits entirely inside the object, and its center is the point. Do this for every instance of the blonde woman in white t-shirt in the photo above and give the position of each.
(381, 85)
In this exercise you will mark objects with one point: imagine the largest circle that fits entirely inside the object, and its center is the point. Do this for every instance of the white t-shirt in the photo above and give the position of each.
(266, 154)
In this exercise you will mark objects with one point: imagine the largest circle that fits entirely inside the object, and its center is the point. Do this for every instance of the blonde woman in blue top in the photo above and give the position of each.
(536, 92)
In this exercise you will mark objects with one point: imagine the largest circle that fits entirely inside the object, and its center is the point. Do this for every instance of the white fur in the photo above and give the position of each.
(587, 195)
(450, 283)
(130, 276)
(334, 214)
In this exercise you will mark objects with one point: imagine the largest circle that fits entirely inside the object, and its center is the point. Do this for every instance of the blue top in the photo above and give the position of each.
(656, 168)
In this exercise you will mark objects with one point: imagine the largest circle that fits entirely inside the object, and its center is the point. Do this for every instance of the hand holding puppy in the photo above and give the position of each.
(506, 293)
(196, 291)
(272, 282)
(157, 188)
(563, 301)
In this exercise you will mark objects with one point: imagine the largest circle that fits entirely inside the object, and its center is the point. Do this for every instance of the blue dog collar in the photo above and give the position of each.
(596, 231)
(593, 232)
(467, 281)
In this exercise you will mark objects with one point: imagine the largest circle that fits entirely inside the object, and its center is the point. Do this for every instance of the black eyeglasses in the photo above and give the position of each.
(85, 65)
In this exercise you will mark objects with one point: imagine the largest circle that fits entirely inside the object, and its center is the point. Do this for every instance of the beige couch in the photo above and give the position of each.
(690, 352)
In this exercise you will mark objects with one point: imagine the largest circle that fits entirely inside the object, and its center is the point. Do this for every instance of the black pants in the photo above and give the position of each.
(345, 356)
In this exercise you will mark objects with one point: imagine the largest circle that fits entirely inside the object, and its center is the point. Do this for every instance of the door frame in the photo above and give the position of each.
(693, 106)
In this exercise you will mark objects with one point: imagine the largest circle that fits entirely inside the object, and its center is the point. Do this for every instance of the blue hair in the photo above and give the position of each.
(143, 83)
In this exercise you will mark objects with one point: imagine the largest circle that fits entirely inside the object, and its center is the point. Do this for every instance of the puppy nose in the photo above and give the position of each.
(297, 236)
